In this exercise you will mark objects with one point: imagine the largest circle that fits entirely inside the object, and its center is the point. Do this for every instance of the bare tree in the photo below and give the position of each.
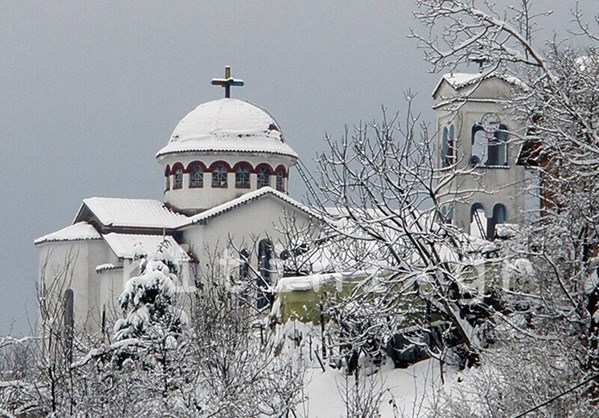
(384, 195)
(559, 107)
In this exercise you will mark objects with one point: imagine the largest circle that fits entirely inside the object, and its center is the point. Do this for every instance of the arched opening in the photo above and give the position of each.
(498, 146)
(244, 274)
(167, 177)
(263, 176)
(447, 146)
(242, 177)
(447, 213)
(478, 221)
(178, 177)
(196, 176)
(219, 176)
(478, 156)
(489, 142)
(265, 255)
(499, 217)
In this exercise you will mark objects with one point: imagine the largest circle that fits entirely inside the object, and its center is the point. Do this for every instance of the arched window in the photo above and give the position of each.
(167, 177)
(242, 177)
(489, 142)
(219, 176)
(499, 217)
(263, 176)
(280, 181)
(265, 253)
(196, 176)
(244, 274)
(178, 180)
(498, 146)
(447, 146)
(447, 213)
(244, 264)
(479, 146)
(478, 221)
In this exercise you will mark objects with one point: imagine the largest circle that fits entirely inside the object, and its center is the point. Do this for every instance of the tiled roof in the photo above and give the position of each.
(130, 245)
(134, 213)
(80, 231)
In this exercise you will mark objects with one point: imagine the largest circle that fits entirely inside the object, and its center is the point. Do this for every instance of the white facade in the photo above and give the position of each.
(97, 254)
(479, 139)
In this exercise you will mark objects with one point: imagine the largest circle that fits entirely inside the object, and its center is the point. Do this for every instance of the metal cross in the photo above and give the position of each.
(227, 82)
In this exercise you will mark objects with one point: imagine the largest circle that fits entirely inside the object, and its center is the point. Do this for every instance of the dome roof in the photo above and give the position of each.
(227, 125)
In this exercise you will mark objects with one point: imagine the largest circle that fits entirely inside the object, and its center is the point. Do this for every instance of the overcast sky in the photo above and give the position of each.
(90, 91)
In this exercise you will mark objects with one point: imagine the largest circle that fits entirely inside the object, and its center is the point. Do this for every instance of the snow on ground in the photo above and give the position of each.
(406, 392)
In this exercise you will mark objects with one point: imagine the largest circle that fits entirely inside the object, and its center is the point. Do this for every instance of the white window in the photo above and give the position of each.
(196, 176)
(242, 178)
(219, 176)
(280, 181)
(447, 146)
(263, 177)
(178, 182)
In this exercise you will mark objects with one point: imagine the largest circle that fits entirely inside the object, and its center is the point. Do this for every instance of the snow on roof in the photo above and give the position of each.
(135, 213)
(461, 80)
(80, 231)
(107, 267)
(130, 245)
(247, 198)
(228, 125)
(314, 281)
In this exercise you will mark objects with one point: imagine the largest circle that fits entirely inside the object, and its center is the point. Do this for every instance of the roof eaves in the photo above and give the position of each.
(215, 149)
(245, 199)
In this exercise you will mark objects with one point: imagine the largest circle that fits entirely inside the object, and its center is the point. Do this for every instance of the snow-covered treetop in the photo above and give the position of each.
(150, 298)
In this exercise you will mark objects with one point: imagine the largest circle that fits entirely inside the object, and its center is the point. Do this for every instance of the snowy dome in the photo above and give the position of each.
(227, 125)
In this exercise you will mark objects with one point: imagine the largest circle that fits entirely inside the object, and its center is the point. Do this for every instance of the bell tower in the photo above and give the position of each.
(477, 139)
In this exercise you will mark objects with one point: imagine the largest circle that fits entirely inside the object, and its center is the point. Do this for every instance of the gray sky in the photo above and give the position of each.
(90, 91)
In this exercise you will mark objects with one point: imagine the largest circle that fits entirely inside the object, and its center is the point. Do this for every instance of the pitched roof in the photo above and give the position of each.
(247, 198)
(460, 80)
(133, 213)
(130, 245)
(81, 231)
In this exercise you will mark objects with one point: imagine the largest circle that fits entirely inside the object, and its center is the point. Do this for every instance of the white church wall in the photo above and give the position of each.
(245, 227)
(111, 286)
(72, 264)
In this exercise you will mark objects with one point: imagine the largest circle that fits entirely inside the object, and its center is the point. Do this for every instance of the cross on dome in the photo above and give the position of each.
(227, 82)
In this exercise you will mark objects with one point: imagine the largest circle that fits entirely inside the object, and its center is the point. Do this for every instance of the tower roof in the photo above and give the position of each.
(227, 125)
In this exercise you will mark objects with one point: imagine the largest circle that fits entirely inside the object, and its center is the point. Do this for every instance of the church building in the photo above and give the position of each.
(226, 171)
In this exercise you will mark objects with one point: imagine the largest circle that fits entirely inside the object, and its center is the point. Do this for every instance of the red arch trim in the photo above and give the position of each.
(282, 168)
(265, 165)
(217, 163)
(176, 166)
(193, 164)
(243, 164)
